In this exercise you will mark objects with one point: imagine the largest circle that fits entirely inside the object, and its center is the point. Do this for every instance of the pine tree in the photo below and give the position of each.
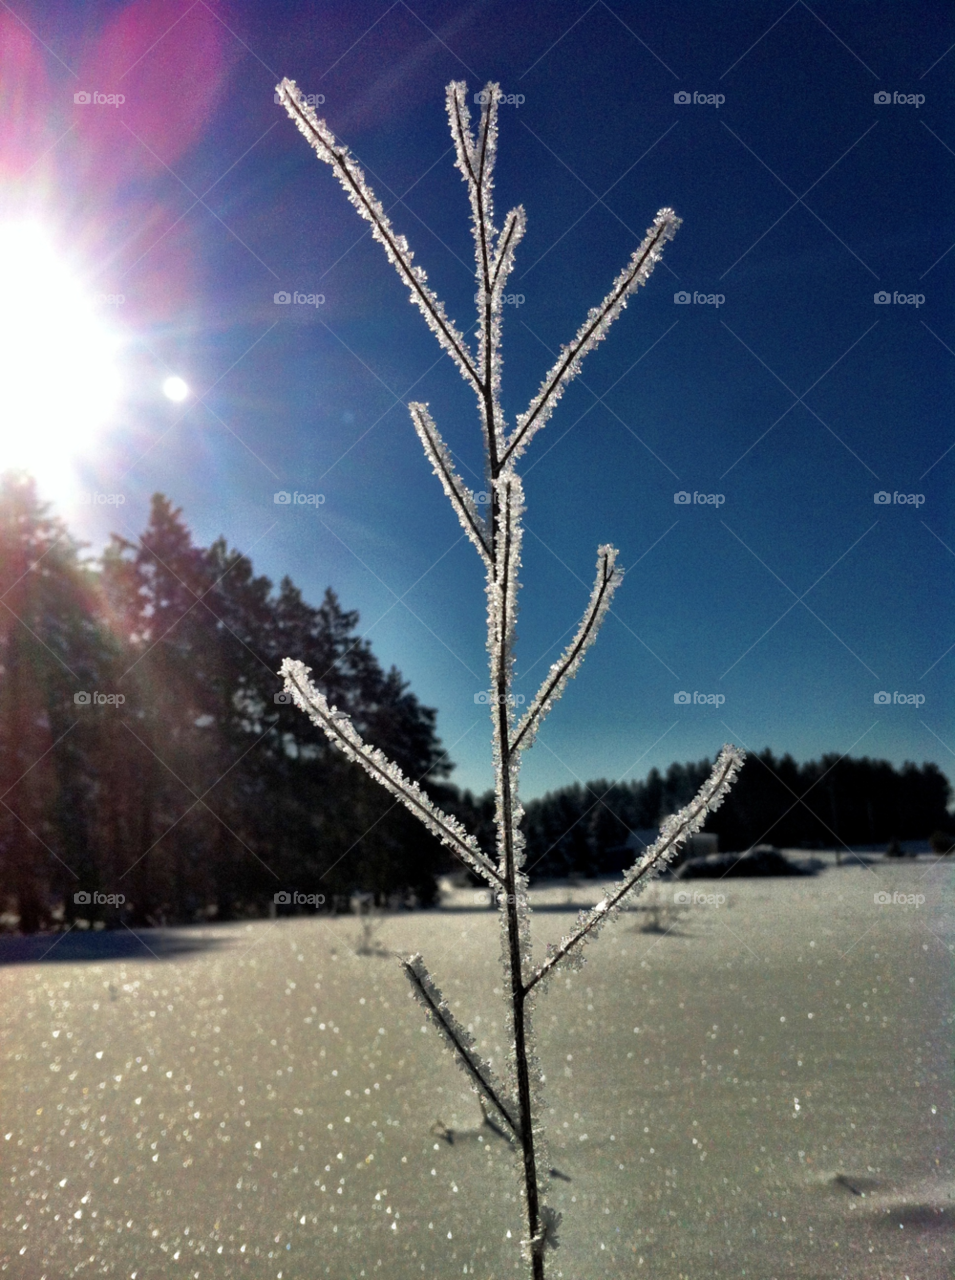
(221, 794)
(172, 684)
(52, 654)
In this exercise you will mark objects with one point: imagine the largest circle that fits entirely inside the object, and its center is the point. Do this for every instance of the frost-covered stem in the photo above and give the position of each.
(353, 180)
(593, 330)
(687, 821)
(484, 220)
(342, 734)
(459, 1041)
(607, 579)
(462, 499)
(497, 540)
(506, 817)
(476, 161)
(519, 997)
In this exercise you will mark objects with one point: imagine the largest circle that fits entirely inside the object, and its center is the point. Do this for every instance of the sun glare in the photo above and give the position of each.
(175, 389)
(58, 378)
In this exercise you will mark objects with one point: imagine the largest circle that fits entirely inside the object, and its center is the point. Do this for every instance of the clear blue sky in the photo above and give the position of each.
(798, 597)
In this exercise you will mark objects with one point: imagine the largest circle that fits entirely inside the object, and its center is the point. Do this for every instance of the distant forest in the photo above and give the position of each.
(144, 754)
(835, 802)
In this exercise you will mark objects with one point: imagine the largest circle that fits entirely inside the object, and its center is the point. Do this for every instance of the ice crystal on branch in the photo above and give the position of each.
(462, 499)
(342, 734)
(674, 833)
(460, 1041)
(608, 579)
(497, 536)
(592, 331)
(371, 209)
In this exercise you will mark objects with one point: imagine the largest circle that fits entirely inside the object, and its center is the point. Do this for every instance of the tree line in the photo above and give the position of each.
(147, 753)
(836, 802)
(144, 753)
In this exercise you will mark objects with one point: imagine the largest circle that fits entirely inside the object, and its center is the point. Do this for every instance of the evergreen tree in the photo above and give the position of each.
(52, 650)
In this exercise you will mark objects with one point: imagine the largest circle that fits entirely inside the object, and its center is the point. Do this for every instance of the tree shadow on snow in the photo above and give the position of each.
(103, 945)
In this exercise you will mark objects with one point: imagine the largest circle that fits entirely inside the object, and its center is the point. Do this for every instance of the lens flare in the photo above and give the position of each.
(59, 383)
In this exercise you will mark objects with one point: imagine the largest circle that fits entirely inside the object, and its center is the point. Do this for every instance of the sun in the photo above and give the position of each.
(175, 389)
(59, 381)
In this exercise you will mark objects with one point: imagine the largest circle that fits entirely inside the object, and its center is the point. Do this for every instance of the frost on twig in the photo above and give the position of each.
(461, 1042)
(462, 499)
(493, 251)
(673, 833)
(497, 536)
(342, 734)
(593, 330)
(607, 581)
(502, 589)
(350, 175)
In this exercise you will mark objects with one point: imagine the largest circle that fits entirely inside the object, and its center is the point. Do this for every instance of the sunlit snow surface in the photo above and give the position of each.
(763, 1091)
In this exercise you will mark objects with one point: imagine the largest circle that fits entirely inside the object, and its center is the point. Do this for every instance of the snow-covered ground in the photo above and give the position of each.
(764, 1090)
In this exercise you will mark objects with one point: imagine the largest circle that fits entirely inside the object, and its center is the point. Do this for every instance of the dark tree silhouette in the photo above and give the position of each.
(199, 794)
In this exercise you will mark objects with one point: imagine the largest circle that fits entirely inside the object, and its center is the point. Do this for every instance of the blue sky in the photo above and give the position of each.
(790, 398)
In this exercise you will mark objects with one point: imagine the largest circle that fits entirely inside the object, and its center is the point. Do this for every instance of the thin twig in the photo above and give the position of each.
(682, 825)
(497, 540)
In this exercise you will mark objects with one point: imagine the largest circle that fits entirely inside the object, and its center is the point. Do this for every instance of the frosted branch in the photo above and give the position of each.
(460, 1041)
(350, 175)
(547, 1237)
(502, 590)
(497, 535)
(508, 499)
(341, 733)
(459, 117)
(592, 331)
(490, 299)
(673, 833)
(475, 159)
(462, 499)
(607, 581)
(512, 234)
